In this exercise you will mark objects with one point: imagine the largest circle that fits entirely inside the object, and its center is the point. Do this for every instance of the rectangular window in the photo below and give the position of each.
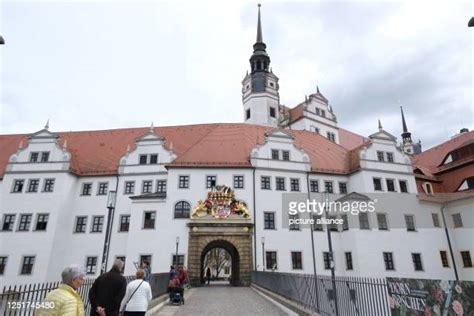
(388, 260)
(390, 185)
(323, 113)
(91, 265)
(327, 260)
(265, 183)
(349, 261)
(97, 224)
(34, 157)
(42, 221)
(331, 223)
(271, 260)
(123, 259)
(3, 264)
(345, 222)
(382, 221)
(417, 261)
(296, 261)
(247, 114)
(403, 186)
(33, 185)
(103, 187)
(280, 183)
(457, 219)
(153, 159)
(293, 225)
(147, 186)
(48, 185)
(435, 218)
(81, 224)
(18, 186)
(444, 258)
(317, 225)
(238, 182)
(8, 222)
(145, 259)
(295, 184)
(86, 189)
(27, 266)
(143, 159)
(149, 220)
(275, 154)
(377, 184)
(410, 222)
(466, 259)
(211, 181)
(328, 187)
(124, 223)
(285, 155)
(25, 221)
(342, 188)
(161, 186)
(177, 261)
(129, 187)
(390, 157)
(318, 111)
(183, 182)
(364, 221)
(269, 220)
(272, 112)
(380, 156)
(44, 156)
(314, 185)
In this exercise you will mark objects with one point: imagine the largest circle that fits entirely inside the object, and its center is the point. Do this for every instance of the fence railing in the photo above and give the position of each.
(355, 295)
(18, 299)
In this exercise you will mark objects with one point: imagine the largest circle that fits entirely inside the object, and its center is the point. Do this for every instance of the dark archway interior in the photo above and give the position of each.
(234, 255)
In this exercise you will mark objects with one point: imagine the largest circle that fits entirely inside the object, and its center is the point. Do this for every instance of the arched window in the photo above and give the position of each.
(182, 209)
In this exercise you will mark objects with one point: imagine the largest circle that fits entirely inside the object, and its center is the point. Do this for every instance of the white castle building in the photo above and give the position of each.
(54, 188)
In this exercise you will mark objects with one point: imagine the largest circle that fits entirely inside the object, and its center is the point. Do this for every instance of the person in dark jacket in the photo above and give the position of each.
(107, 292)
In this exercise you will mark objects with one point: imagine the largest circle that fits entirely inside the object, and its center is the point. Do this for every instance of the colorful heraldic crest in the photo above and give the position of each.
(220, 203)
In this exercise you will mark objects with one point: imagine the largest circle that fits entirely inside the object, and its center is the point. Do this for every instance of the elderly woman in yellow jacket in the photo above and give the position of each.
(65, 300)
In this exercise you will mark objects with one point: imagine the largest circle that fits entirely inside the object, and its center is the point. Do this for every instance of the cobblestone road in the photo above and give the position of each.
(222, 300)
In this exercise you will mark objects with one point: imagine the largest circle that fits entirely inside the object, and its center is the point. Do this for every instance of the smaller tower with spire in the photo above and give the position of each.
(260, 87)
(407, 143)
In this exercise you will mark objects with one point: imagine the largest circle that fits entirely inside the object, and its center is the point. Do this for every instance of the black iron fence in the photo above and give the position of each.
(355, 295)
(19, 299)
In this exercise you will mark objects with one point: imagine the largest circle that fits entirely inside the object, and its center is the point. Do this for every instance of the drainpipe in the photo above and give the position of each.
(443, 207)
(313, 250)
(254, 226)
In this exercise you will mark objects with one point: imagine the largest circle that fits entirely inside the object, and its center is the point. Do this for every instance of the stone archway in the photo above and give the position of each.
(235, 236)
(234, 255)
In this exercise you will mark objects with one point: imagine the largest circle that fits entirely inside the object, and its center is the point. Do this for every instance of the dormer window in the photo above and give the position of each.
(45, 156)
(331, 136)
(275, 154)
(428, 188)
(154, 159)
(380, 156)
(323, 113)
(34, 157)
(390, 157)
(467, 184)
(318, 111)
(143, 159)
(286, 155)
(272, 112)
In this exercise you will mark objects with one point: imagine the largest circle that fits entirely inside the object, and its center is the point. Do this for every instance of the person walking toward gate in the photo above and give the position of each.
(107, 292)
(65, 301)
(208, 275)
(137, 297)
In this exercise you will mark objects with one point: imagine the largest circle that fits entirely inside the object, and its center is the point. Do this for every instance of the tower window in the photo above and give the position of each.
(272, 85)
(247, 114)
(259, 65)
(272, 112)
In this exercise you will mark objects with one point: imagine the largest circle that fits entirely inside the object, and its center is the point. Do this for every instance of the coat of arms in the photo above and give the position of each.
(220, 203)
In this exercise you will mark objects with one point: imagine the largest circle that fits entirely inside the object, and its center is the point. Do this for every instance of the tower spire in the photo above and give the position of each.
(259, 27)
(405, 129)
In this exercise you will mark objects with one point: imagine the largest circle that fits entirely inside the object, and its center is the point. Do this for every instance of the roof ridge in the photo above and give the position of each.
(455, 138)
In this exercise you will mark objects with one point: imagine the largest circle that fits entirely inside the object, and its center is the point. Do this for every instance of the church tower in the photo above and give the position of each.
(260, 88)
(407, 143)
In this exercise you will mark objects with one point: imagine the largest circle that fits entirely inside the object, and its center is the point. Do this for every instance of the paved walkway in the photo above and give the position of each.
(222, 299)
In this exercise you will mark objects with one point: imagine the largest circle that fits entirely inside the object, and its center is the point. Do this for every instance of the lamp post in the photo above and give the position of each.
(263, 252)
(177, 246)
(331, 254)
(111, 200)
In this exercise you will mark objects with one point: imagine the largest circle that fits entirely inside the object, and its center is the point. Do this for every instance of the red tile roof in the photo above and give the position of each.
(203, 145)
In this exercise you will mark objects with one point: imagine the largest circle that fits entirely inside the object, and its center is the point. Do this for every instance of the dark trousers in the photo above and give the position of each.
(134, 313)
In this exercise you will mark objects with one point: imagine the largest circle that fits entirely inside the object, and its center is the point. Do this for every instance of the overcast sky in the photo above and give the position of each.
(107, 64)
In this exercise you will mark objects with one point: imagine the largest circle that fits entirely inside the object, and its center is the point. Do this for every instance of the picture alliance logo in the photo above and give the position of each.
(331, 208)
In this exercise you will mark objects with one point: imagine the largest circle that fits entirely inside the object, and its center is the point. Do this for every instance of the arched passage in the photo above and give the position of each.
(234, 255)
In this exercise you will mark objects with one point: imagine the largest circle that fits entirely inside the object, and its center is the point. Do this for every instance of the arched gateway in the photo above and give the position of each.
(220, 222)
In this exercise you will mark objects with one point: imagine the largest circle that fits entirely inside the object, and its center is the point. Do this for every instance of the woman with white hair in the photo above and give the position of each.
(65, 300)
(137, 297)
